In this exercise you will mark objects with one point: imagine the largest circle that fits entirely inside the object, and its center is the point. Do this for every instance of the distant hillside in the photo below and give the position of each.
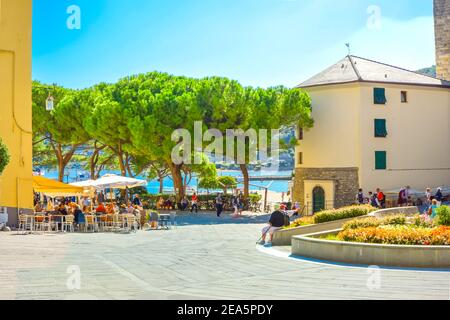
(428, 71)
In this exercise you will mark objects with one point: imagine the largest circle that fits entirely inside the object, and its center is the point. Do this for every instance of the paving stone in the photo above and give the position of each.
(204, 258)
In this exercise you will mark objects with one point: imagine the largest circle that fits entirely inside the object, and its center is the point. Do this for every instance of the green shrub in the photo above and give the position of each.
(4, 156)
(303, 221)
(421, 221)
(362, 223)
(443, 214)
(343, 213)
(397, 220)
(373, 222)
(150, 200)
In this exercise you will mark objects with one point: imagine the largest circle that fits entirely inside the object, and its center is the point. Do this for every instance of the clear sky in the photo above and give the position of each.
(258, 42)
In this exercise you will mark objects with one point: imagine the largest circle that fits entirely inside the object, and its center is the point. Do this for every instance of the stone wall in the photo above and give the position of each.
(346, 183)
(442, 32)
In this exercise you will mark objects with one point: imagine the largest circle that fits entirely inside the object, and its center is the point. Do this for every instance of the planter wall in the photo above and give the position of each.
(370, 254)
(284, 237)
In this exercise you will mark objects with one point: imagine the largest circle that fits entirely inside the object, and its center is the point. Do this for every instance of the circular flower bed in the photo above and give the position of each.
(400, 230)
(400, 235)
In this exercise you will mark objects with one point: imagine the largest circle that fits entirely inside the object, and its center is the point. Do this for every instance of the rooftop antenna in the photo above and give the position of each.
(348, 47)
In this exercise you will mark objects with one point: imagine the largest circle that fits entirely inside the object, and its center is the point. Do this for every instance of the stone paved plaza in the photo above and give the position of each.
(202, 259)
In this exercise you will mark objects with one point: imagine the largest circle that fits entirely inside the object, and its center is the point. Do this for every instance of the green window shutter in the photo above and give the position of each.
(380, 160)
(380, 128)
(379, 96)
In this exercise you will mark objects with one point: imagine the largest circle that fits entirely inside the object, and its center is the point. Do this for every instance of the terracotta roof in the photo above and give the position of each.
(356, 69)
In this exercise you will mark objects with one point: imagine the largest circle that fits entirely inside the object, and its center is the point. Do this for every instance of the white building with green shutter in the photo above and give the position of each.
(376, 126)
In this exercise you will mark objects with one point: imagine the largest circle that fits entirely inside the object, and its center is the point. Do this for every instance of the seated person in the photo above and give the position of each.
(62, 210)
(184, 204)
(130, 208)
(110, 209)
(123, 209)
(77, 213)
(276, 222)
(160, 203)
(50, 206)
(168, 205)
(38, 208)
(100, 209)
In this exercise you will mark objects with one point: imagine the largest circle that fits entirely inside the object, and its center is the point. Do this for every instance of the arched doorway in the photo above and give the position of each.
(318, 199)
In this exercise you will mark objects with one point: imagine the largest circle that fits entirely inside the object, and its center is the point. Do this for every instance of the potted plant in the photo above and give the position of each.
(4, 160)
(4, 156)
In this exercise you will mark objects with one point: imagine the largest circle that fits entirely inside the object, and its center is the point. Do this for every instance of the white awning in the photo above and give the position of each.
(118, 182)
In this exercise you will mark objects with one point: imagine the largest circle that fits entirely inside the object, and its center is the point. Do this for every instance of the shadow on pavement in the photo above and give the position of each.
(185, 219)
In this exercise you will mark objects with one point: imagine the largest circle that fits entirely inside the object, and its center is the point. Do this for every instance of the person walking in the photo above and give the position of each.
(408, 195)
(184, 204)
(439, 197)
(428, 197)
(219, 205)
(235, 203)
(402, 197)
(101, 198)
(360, 198)
(194, 203)
(137, 201)
(432, 212)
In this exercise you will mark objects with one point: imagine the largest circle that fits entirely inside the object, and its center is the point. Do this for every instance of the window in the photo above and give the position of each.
(300, 133)
(404, 96)
(300, 158)
(380, 128)
(380, 160)
(379, 96)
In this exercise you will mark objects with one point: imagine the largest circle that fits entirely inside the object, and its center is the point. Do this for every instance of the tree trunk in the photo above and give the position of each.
(177, 181)
(244, 170)
(123, 169)
(61, 170)
(93, 164)
(161, 184)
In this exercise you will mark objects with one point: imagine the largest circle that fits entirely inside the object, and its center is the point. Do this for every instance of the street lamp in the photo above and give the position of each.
(50, 103)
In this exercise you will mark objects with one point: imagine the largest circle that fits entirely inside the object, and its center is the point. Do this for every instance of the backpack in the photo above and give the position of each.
(360, 197)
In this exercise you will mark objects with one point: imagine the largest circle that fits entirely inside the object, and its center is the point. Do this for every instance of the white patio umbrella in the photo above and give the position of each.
(113, 181)
(84, 184)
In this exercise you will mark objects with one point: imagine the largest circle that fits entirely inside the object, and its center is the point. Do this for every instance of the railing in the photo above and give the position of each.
(309, 207)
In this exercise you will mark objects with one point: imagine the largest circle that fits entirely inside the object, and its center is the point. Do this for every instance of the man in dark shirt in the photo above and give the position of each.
(137, 201)
(276, 222)
(439, 196)
(219, 204)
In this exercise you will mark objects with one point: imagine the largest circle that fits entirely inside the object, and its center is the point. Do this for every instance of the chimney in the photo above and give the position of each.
(442, 34)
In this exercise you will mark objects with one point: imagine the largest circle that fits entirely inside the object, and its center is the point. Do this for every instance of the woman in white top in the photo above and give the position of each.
(428, 196)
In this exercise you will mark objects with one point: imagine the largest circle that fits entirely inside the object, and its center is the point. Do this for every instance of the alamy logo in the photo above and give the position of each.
(374, 279)
(74, 280)
(374, 20)
(73, 22)
(232, 146)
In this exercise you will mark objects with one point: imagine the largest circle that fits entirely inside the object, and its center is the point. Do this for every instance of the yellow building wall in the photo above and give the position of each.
(327, 186)
(334, 141)
(15, 103)
(417, 145)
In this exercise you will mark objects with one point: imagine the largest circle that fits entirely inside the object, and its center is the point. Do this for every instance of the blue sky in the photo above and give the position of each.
(258, 42)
